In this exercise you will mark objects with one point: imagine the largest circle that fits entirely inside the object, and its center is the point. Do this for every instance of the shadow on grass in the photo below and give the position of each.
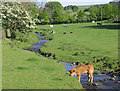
(116, 27)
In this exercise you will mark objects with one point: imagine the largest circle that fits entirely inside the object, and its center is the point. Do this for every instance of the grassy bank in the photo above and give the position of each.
(15, 43)
(84, 7)
(86, 43)
(22, 69)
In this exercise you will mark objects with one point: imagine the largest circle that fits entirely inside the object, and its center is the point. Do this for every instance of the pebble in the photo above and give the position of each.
(103, 75)
(74, 64)
(71, 64)
(115, 76)
(103, 80)
(98, 84)
(118, 81)
(113, 79)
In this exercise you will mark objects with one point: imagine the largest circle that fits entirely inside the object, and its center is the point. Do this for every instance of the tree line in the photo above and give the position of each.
(55, 13)
(22, 18)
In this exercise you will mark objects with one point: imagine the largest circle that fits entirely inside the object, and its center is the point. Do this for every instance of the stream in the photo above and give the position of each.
(101, 81)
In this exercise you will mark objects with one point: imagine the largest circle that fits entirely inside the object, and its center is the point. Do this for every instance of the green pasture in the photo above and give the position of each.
(84, 7)
(87, 43)
(23, 69)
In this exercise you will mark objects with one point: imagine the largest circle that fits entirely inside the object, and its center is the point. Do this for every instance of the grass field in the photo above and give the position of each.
(87, 44)
(23, 69)
(84, 7)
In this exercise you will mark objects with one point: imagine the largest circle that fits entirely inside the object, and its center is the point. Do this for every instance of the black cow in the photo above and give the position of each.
(99, 23)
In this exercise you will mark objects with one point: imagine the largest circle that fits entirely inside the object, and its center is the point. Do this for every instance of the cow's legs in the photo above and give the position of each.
(88, 77)
(91, 78)
(79, 77)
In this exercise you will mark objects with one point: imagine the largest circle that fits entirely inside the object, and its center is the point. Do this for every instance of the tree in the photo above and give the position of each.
(80, 16)
(54, 5)
(55, 11)
(71, 19)
(74, 8)
(58, 17)
(94, 13)
(33, 10)
(71, 7)
(109, 11)
(16, 18)
(44, 17)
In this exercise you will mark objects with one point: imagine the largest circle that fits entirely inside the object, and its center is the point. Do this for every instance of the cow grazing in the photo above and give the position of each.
(52, 31)
(51, 25)
(93, 21)
(65, 26)
(99, 23)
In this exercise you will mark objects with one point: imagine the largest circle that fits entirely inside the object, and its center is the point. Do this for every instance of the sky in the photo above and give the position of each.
(81, 2)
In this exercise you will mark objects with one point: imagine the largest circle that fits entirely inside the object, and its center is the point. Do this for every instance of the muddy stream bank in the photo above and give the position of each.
(101, 80)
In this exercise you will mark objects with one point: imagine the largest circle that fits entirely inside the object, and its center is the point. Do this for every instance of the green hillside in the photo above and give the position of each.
(84, 7)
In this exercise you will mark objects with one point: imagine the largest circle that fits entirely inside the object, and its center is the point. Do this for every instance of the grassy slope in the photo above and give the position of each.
(16, 43)
(86, 42)
(84, 7)
(26, 70)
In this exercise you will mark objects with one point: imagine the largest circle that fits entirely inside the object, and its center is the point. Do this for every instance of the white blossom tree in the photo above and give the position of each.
(16, 18)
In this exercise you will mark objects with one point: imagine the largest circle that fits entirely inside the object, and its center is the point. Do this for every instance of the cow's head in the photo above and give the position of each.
(72, 72)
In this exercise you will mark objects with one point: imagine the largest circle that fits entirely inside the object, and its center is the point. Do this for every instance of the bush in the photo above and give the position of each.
(96, 71)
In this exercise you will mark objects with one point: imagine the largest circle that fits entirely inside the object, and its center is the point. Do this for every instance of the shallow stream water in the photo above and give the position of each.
(101, 81)
(35, 46)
